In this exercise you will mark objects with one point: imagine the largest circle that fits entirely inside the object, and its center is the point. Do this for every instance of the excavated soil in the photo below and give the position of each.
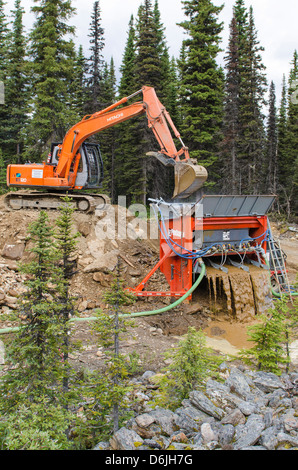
(223, 305)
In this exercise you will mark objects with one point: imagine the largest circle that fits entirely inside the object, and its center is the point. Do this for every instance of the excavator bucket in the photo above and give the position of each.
(189, 177)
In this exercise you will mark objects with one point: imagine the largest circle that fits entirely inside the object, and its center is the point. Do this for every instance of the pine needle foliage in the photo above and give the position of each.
(202, 83)
(192, 363)
(36, 348)
(36, 397)
(107, 388)
(271, 340)
(52, 54)
(66, 241)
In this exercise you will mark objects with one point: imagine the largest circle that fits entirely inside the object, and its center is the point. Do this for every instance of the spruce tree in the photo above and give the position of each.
(107, 388)
(78, 88)
(4, 44)
(230, 171)
(282, 147)
(36, 347)
(127, 84)
(270, 337)
(251, 101)
(192, 363)
(108, 137)
(17, 87)
(270, 167)
(66, 241)
(128, 166)
(172, 93)
(163, 52)
(291, 162)
(151, 54)
(149, 47)
(4, 49)
(201, 90)
(36, 399)
(147, 70)
(3, 186)
(241, 16)
(52, 55)
(95, 62)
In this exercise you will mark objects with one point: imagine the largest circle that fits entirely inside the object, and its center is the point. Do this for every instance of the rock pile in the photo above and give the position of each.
(248, 410)
(11, 287)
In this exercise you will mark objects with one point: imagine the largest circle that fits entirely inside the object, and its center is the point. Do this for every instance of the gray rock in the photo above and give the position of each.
(214, 385)
(287, 439)
(268, 418)
(226, 434)
(268, 438)
(208, 434)
(102, 446)
(251, 432)
(252, 410)
(267, 381)
(166, 419)
(193, 412)
(152, 444)
(254, 448)
(276, 397)
(185, 423)
(235, 417)
(148, 374)
(125, 439)
(220, 395)
(237, 383)
(106, 263)
(179, 446)
(290, 421)
(198, 440)
(199, 400)
(144, 420)
(247, 407)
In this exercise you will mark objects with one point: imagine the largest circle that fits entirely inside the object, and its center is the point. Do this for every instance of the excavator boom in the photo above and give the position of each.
(63, 174)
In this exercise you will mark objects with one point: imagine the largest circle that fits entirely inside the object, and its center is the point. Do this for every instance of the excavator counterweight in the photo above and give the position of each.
(75, 165)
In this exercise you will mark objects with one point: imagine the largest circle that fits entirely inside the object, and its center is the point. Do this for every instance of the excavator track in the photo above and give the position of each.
(87, 203)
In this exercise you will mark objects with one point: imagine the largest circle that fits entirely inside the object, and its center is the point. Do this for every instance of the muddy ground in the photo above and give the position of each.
(151, 336)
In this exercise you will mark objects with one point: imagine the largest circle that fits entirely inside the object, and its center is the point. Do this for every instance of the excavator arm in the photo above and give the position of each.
(62, 176)
(159, 121)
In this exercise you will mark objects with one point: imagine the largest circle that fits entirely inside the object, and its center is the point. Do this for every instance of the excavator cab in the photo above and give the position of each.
(90, 170)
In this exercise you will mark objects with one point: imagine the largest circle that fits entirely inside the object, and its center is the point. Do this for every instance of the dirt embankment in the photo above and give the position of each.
(100, 245)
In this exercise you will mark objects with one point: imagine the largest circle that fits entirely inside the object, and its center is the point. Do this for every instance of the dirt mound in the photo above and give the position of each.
(98, 249)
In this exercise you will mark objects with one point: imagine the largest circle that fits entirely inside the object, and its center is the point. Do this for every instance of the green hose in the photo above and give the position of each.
(174, 304)
(136, 314)
(277, 294)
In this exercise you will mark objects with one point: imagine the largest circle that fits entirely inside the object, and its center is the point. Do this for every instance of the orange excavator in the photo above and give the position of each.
(76, 165)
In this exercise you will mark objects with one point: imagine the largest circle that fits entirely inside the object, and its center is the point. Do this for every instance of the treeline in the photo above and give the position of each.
(228, 116)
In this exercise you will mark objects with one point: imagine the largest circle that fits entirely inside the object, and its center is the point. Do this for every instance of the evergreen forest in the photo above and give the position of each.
(229, 116)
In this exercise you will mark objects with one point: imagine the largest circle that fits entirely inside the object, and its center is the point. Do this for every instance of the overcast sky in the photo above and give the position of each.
(276, 23)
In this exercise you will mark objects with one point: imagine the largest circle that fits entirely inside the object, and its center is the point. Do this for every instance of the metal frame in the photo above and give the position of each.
(179, 271)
